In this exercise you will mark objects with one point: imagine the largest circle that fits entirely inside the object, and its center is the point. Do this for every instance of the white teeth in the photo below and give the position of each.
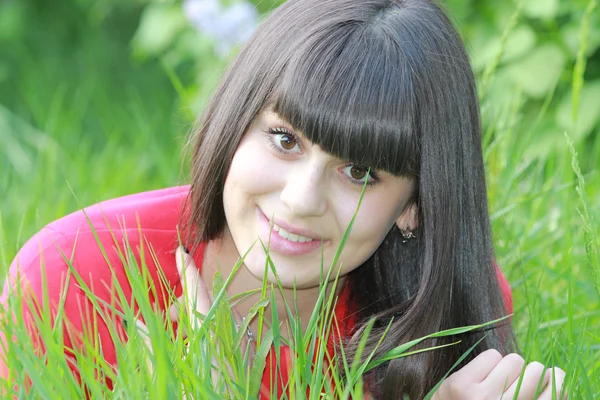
(292, 237)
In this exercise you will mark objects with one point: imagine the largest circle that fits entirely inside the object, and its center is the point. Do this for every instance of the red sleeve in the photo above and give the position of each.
(505, 288)
(47, 264)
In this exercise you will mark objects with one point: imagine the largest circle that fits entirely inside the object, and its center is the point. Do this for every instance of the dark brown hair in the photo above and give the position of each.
(386, 84)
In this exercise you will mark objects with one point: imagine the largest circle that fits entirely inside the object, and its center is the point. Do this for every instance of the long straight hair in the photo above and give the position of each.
(386, 84)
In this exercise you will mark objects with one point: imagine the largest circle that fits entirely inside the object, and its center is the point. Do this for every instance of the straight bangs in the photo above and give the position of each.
(350, 91)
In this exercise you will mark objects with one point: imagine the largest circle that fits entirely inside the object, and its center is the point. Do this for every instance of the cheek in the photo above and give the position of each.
(372, 224)
(373, 220)
(248, 174)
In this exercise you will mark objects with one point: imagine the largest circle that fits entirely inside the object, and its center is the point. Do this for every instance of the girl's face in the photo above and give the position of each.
(287, 192)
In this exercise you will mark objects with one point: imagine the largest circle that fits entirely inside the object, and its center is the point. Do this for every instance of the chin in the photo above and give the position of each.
(287, 277)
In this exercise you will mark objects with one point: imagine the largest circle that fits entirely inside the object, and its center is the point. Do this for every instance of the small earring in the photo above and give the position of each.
(407, 235)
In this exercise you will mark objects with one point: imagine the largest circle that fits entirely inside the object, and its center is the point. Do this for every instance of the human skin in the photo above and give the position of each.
(489, 376)
(492, 376)
(278, 176)
(308, 191)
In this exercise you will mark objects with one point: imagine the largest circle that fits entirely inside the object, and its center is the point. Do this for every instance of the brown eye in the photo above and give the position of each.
(287, 142)
(358, 173)
(284, 141)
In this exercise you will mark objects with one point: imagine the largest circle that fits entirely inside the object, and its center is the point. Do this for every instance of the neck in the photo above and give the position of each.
(221, 255)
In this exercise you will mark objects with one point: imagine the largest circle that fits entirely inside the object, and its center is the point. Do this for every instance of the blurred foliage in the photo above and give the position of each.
(97, 98)
(532, 47)
(535, 45)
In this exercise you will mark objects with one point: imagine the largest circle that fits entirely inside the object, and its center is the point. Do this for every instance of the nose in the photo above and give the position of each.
(304, 192)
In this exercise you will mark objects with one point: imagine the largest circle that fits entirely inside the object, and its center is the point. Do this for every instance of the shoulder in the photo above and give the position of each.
(100, 234)
(157, 209)
(504, 288)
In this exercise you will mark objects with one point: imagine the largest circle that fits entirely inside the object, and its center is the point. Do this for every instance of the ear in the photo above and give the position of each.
(409, 219)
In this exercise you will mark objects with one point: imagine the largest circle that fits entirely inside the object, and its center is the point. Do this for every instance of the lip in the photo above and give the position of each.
(279, 244)
(294, 229)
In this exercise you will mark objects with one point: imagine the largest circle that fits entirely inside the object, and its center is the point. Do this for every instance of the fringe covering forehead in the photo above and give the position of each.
(352, 94)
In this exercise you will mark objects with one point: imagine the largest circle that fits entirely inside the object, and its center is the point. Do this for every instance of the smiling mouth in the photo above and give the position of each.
(292, 237)
(287, 239)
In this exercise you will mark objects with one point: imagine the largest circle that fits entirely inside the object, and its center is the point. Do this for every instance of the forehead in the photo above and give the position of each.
(356, 102)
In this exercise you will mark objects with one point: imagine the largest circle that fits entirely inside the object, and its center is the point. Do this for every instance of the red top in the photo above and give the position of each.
(148, 223)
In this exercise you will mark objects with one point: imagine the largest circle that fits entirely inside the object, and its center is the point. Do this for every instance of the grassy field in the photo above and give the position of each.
(83, 120)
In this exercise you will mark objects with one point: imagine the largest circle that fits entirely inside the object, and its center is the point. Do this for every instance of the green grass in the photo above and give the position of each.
(158, 362)
(94, 123)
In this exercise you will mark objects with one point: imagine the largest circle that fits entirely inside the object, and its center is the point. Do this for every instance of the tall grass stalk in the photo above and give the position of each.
(160, 363)
(109, 135)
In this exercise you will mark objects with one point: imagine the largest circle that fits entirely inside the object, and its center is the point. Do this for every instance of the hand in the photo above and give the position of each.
(491, 376)
(196, 297)
(195, 301)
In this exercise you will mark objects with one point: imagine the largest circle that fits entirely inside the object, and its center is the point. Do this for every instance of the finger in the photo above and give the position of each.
(144, 334)
(556, 378)
(480, 367)
(504, 374)
(175, 311)
(533, 378)
(194, 289)
(175, 308)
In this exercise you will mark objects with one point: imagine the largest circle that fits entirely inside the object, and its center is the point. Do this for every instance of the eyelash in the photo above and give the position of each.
(374, 177)
(280, 131)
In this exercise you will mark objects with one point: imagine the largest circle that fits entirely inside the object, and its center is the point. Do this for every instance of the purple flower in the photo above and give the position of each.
(229, 26)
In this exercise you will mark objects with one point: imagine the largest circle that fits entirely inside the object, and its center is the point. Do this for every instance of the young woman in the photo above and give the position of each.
(328, 96)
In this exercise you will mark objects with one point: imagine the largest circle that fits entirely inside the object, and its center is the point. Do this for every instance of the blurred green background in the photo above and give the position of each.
(97, 99)
(122, 81)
